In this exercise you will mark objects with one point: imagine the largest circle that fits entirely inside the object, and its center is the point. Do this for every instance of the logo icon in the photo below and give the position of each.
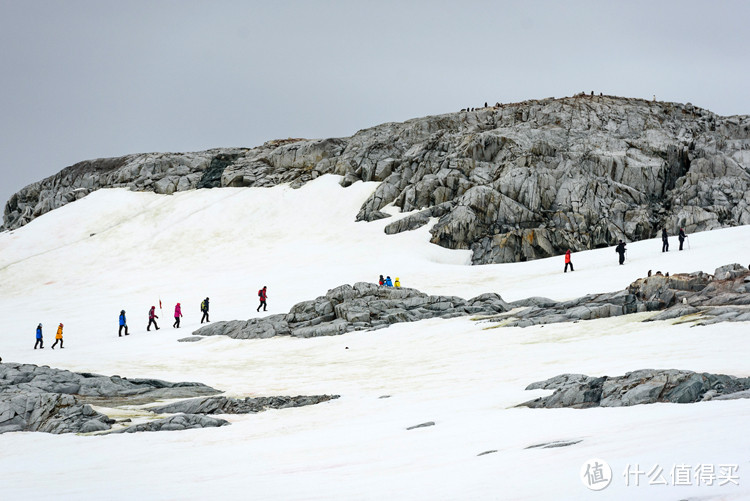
(596, 474)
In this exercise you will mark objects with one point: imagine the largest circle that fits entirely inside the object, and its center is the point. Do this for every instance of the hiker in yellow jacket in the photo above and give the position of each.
(58, 337)
(397, 283)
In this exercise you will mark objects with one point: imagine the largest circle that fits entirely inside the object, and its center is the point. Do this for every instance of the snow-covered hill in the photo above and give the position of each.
(115, 249)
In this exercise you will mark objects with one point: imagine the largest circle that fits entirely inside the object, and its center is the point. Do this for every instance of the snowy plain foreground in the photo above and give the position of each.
(116, 249)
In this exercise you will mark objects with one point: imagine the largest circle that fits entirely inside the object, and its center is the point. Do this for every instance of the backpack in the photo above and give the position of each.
(203, 306)
(260, 293)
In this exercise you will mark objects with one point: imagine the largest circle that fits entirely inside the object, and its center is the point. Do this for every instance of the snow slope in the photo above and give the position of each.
(115, 249)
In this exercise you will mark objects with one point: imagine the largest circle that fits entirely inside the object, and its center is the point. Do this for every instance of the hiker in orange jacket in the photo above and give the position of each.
(58, 337)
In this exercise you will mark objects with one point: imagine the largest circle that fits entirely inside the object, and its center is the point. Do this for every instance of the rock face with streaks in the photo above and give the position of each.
(645, 386)
(511, 182)
(347, 308)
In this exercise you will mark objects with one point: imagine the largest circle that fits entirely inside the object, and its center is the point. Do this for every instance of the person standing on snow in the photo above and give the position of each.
(388, 282)
(397, 283)
(152, 318)
(39, 337)
(664, 240)
(568, 262)
(620, 249)
(123, 323)
(177, 315)
(58, 337)
(262, 295)
(681, 237)
(204, 309)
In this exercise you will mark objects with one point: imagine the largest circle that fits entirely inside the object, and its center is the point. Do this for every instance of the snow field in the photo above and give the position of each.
(459, 373)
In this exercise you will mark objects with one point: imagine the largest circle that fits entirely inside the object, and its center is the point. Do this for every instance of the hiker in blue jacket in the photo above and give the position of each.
(388, 282)
(123, 323)
(39, 338)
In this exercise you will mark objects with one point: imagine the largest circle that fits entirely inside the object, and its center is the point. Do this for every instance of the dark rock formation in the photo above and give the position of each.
(175, 423)
(421, 425)
(34, 398)
(706, 299)
(645, 386)
(555, 445)
(226, 405)
(352, 308)
(513, 182)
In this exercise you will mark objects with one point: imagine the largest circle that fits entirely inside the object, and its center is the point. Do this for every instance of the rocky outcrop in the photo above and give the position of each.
(645, 386)
(511, 182)
(703, 298)
(175, 423)
(227, 405)
(362, 306)
(34, 398)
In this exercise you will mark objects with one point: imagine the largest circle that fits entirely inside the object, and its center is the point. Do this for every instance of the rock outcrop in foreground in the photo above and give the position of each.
(347, 308)
(701, 298)
(511, 182)
(645, 386)
(34, 398)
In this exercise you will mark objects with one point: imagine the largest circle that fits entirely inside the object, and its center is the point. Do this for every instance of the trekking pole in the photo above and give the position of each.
(688, 241)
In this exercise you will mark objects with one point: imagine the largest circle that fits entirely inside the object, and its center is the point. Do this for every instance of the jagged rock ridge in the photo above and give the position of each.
(348, 308)
(702, 298)
(646, 386)
(511, 182)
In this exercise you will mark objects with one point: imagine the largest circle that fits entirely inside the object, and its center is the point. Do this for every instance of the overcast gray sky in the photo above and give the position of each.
(88, 79)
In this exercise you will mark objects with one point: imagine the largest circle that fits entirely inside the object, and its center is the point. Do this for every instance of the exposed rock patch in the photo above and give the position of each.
(226, 405)
(704, 298)
(175, 423)
(34, 398)
(512, 182)
(353, 308)
(645, 386)
(555, 444)
(421, 425)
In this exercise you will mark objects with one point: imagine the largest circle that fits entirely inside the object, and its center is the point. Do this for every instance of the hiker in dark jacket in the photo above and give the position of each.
(681, 237)
(152, 318)
(39, 337)
(620, 249)
(664, 240)
(123, 324)
(204, 309)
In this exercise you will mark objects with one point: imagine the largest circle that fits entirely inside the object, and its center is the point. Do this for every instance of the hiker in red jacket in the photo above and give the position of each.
(262, 295)
(177, 315)
(568, 262)
(152, 318)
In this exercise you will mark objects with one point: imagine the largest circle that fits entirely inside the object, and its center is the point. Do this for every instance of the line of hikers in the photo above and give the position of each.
(621, 250)
(388, 282)
(152, 316)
